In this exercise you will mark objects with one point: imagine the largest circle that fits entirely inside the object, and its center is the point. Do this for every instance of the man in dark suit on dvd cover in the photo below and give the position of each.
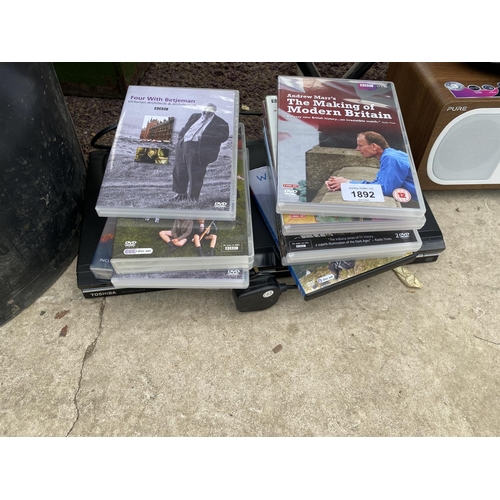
(198, 145)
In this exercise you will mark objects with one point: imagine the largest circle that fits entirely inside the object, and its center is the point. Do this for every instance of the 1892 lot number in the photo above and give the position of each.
(362, 194)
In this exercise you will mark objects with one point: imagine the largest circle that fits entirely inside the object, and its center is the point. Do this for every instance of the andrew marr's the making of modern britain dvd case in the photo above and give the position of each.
(343, 150)
(297, 224)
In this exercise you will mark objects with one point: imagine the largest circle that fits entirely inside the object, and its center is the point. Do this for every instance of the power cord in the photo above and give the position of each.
(100, 134)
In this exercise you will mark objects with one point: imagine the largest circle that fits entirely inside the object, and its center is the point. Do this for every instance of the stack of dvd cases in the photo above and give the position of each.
(341, 191)
(175, 193)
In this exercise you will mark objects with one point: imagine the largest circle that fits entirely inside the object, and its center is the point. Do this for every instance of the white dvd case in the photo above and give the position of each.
(343, 150)
(174, 155)
(206, 279)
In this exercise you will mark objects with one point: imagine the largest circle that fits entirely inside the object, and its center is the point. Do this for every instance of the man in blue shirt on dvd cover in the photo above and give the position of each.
(395, 171)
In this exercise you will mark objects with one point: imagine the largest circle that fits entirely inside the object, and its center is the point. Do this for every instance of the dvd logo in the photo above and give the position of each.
(233, 272)
(220, 204)
(289, 192)
(130, 243)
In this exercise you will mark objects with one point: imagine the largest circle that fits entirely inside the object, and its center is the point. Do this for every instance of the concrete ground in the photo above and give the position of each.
(373, 359)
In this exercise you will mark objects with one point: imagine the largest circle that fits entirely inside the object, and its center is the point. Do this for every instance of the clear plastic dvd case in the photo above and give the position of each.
(316, 279)
(174, 155)
(342, 150)
(101, 263)
(295, 224)
(222, 279)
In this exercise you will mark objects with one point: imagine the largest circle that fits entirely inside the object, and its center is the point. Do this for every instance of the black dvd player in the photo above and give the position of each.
(432, 239)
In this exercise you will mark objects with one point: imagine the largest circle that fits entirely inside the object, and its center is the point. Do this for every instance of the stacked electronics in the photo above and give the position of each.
(292, 225)
(339, 207)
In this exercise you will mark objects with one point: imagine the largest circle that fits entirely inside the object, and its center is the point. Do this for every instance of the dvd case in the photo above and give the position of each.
(101, 263)
(215, 279)
(174, 155)
(160, 245)
(297, 224)
(102, 269)
(365, 245)
(327, 247)
(343, 150)
(317, 279)
(270, 112)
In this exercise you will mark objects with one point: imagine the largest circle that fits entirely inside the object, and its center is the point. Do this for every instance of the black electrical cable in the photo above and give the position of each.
(101, 134)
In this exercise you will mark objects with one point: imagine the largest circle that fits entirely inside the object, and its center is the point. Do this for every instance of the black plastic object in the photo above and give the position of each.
(42, 180)
(262, 293)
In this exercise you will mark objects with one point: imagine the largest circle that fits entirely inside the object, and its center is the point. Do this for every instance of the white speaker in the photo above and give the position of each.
(451, 112)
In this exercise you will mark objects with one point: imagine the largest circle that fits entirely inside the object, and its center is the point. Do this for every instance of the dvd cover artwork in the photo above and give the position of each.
(101, 263)
(264, 197)
(343, 150)
(174, 155)
(160, 245)
(215, 279)
(316, 279)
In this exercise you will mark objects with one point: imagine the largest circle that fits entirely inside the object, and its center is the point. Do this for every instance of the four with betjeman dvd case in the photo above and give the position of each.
(148, 174)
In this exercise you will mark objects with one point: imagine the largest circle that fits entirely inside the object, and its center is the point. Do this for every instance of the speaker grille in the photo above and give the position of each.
(469, 148)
